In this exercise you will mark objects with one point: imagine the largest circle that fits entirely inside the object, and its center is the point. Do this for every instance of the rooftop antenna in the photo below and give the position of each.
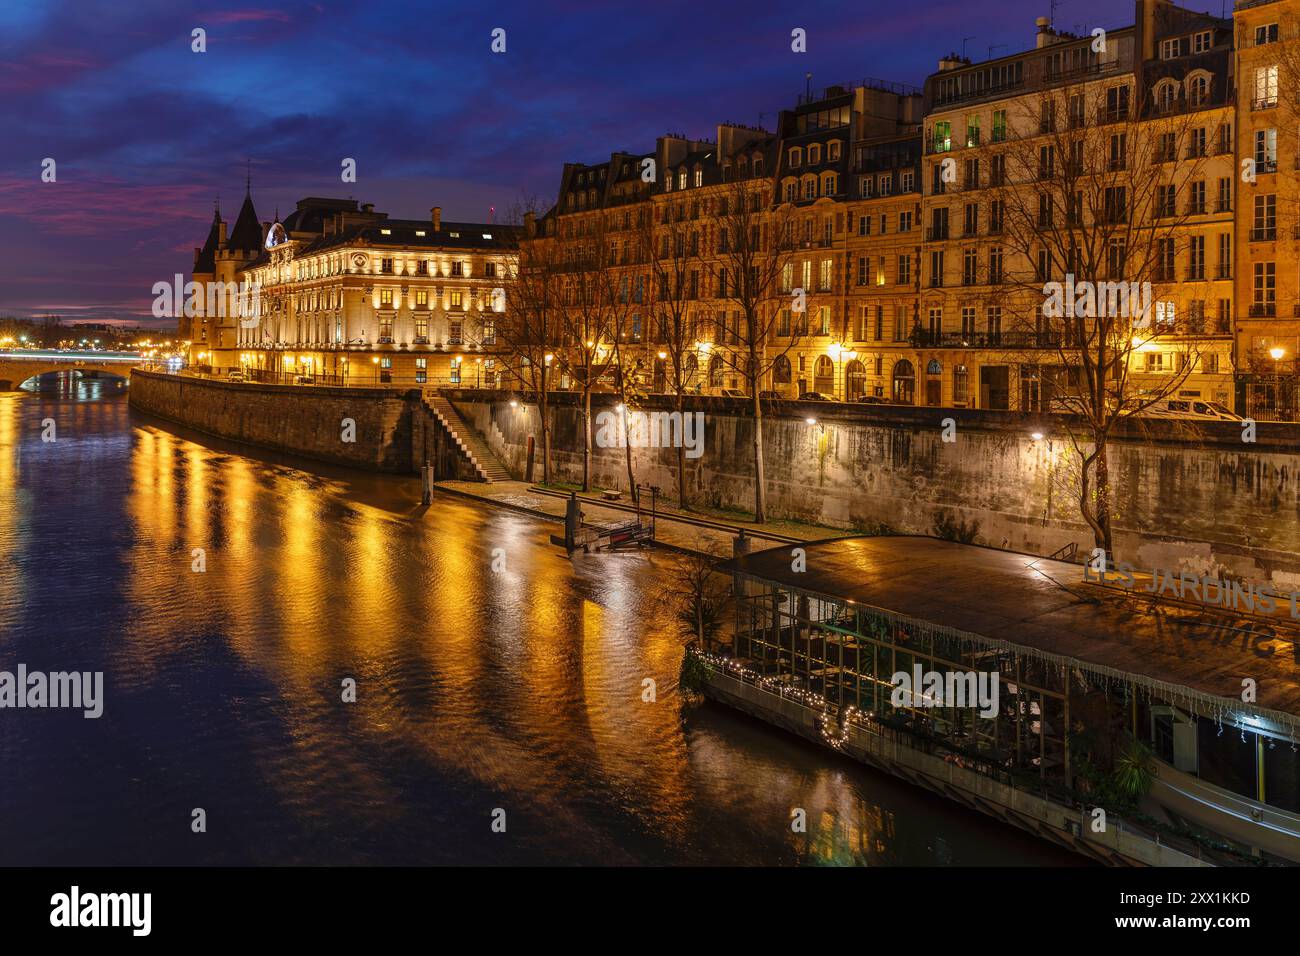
(807, 87)
(1053, 4)
(995, 46)
(248, 178)
(963, 46)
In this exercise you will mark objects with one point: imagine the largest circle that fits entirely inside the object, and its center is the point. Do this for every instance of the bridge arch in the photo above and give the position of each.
(14, 372)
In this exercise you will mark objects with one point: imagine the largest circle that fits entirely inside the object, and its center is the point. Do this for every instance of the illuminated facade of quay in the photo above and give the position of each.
(920, 225)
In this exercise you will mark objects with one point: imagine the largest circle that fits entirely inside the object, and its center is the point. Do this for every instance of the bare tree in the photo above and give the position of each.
(667, 249)
(532, 319)
(754, 243)
(587, 317)
(1094, 204)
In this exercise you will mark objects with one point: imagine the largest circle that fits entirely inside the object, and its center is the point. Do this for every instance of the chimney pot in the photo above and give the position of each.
(436, 215)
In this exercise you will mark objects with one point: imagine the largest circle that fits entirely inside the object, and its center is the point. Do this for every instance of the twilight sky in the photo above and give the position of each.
(146, 133)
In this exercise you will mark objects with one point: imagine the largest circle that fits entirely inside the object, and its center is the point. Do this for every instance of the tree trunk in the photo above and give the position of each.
(681, 455)
(760, 489)
(627, 454)
(586, 441)
(1104, 538)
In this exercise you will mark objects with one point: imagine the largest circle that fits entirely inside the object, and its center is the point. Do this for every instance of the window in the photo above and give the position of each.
(458, 268)
(421, 298)
(905, 221)
(1171, 49)
(973, 129)
(960, 384)
(454, 373)
(681, 179)
(1265, 87)
(421, 370)
(1265, 221)
(833, 152)
(1201, 42)
(490, 331)
(942, 136)
(999, 126)
(864, 225)
(699, 177)
(457, 302)
(796, 157)
(1265, 150)
(385, 298)
(1264, 289)
(866, 185)
(454, 333)
(421, 331)
(1198, 90)
(1266, 34)
(904, 269)
(909, 180)
(814, 155)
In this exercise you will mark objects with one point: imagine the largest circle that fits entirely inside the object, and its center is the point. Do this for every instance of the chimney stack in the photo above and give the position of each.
(436, 215)
(1045, 32)
(530, 226)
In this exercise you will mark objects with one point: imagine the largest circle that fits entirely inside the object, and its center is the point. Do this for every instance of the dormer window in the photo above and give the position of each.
(1201, 42)
(681, 179)
(796, 157)
(758, 164)
(833, 152)
(699, 177)
(814, 155)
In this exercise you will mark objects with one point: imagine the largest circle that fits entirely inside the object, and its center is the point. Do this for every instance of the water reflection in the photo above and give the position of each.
(518, 689)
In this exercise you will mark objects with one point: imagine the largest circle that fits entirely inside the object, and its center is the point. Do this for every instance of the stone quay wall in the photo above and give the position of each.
(1193, 497)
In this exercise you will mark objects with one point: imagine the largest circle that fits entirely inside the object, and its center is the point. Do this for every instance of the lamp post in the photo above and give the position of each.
(1276, 353)
(374, 359)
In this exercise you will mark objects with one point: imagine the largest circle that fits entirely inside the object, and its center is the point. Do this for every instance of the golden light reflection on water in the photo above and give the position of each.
(520, 687)
(11, 508)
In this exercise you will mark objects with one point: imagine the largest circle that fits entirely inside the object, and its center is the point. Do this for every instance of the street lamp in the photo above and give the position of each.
(375, 361)
(1276, 352)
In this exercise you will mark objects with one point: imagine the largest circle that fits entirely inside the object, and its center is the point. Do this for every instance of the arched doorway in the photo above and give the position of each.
(904, 382)
(855, 381)
(824, 376)
(934, 382)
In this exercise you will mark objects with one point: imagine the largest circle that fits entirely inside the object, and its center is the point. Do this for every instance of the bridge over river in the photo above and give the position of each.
(17, 366)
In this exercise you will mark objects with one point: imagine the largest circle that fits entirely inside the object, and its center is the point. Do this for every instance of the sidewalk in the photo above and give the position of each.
(670, 531)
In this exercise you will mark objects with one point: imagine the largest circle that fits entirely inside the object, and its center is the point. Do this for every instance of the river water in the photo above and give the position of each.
(477, 691)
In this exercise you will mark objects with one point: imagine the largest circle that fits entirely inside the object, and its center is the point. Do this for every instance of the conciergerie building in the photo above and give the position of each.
(347, 295)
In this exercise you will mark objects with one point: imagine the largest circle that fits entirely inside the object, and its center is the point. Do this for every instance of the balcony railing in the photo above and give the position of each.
(1263, 234)
(1263, 310)
(1263, 103)
(925, 338)
(936, 233)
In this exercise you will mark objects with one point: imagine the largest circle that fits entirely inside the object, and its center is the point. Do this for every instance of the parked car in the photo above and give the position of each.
(732, 393)
(771, 396)
(235, 375)
(815, 397)
(872, 400)
(304, 380)
(1183, 408)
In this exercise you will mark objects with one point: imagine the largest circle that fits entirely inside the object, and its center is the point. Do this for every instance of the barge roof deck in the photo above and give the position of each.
(1045, 606)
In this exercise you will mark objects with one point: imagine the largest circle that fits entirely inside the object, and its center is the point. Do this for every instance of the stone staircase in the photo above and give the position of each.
(475, 449)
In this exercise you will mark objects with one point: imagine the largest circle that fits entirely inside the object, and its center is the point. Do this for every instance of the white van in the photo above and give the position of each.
(1190, 409)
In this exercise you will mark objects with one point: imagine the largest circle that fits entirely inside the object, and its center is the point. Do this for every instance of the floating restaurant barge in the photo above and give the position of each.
(1086, 676)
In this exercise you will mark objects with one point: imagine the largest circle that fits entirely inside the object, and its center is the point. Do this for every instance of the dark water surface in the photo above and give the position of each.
(518, 690)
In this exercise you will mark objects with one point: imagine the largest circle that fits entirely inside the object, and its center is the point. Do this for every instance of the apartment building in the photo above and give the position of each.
(1267, 289)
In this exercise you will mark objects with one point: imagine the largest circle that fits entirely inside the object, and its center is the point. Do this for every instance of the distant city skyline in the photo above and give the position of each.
(147, 134)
